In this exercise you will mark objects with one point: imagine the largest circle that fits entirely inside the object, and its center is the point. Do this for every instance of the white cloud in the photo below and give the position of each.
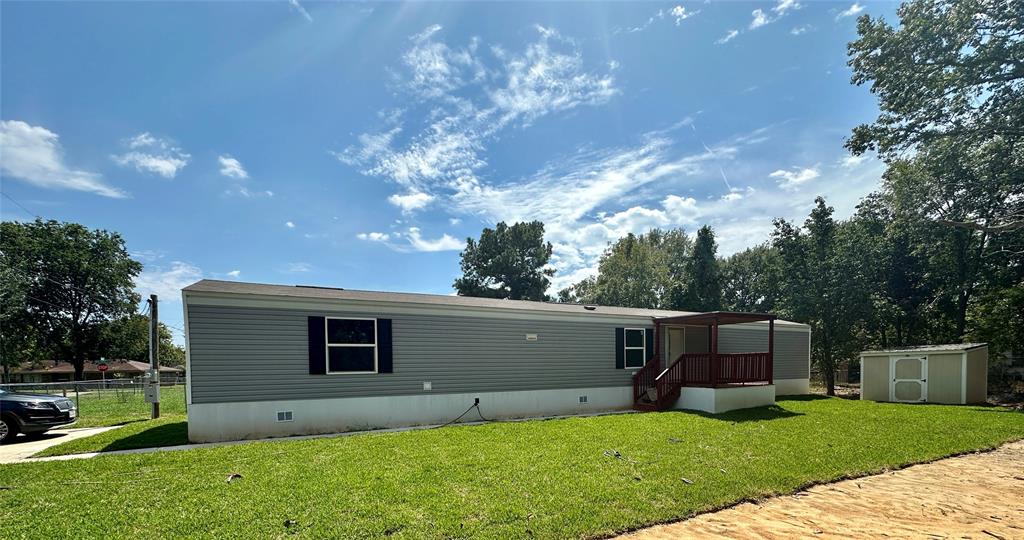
(782, 6)
(729, 36)
(518, 89)
(760, 19)
(289, 224)
(803, 29)
(850, 11)
(680, 14)
(247, 193)
(796, 177)
(234, 273)
(33, 154)
(412, 201)
(165, 282)
(298, 267)
(232, 168)
(374, 236)
(444, 243)
(454, 221)
(851, 160)
(156, 155)
(300, 10)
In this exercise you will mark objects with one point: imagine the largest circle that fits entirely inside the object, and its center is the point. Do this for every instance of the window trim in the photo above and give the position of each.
(328, 345)
(625, 348)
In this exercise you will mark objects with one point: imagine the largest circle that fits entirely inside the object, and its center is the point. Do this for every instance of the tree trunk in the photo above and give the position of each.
(830, 379)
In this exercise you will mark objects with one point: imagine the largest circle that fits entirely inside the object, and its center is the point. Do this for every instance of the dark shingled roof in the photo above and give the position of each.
(440, 300)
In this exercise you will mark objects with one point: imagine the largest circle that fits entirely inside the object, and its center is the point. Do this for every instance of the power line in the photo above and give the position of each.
(29, 212)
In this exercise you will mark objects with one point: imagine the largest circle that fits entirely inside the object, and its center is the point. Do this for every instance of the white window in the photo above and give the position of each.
(351, 345)
(635, 347)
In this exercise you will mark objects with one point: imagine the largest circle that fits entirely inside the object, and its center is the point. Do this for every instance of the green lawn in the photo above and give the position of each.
(167, 430)
(577, 477)
(110, 407)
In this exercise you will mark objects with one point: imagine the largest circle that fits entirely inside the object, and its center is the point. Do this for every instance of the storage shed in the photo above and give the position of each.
(955, 374)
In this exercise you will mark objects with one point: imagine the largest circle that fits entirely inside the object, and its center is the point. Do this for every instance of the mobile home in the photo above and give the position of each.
(276, 360)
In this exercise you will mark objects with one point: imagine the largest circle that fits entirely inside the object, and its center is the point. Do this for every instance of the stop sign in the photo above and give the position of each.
(102, 367)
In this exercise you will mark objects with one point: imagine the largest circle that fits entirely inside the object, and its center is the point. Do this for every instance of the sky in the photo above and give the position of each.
(358, 145)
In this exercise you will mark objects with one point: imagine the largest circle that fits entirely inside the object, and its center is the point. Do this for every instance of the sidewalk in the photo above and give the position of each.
(21, 448)
(971, 496)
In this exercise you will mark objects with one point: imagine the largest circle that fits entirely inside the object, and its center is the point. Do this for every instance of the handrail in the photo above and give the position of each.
(700, 370)
(645, 378)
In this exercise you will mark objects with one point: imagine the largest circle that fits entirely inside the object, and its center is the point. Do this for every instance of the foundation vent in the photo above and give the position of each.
(284, 416)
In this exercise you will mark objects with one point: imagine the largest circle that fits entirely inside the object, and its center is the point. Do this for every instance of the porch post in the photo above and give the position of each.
(657, 344)
(714, 354)
(771, 350)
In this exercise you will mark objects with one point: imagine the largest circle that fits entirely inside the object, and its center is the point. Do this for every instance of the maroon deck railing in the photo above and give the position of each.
(700, 370)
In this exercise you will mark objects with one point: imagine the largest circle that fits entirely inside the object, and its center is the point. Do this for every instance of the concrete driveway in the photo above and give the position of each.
(22, 447)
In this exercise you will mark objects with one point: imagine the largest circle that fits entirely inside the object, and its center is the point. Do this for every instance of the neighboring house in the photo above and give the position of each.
(47, 371)
(274, 360)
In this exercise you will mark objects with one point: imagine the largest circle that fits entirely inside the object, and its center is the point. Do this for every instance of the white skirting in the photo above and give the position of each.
(210, 422)
(720, 400)
(792, 387)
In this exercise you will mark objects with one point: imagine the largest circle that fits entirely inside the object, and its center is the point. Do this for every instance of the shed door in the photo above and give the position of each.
(909, 379)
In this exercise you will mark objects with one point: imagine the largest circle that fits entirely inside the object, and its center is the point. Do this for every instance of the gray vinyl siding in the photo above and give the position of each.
(258, 354)
(791, 347)
(261, 354)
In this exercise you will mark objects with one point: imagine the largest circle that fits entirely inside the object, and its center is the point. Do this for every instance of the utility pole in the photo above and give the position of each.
(153, 384)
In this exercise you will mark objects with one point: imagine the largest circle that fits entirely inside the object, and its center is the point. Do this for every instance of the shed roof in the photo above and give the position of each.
(951, 347)
(440, 300)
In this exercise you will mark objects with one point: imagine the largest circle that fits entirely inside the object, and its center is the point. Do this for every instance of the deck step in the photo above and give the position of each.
(641, 406)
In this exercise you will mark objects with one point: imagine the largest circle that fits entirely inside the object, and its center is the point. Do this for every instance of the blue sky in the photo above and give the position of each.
(358, 145)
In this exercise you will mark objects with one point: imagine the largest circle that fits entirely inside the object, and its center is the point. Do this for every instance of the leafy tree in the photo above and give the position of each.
(950, 82)
(127, 338)
(951, 69)
(750, 280)
(820, 288)
(704, 288)
(646, 270)
(507, 262)
(77, 280)
(19, 341)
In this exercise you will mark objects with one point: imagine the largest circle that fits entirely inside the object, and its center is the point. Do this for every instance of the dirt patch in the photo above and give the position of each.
(972, 496)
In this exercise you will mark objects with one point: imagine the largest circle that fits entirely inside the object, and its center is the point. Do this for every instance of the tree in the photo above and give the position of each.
(127, 338)
(750, 280)
(820, 288)
(645, 271)
(507, 262)
(19, 341)
(77, 280)
(950, 70)
(704, 288)
(950, 77)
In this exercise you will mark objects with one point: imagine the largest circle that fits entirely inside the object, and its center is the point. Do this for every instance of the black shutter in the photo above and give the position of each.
(384, 346)
(317, 346)
(649, 335)
(620, 351)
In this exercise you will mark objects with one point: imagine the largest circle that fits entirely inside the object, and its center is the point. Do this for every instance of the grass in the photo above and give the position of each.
(165, 431)
(111, 408)
(548, 479)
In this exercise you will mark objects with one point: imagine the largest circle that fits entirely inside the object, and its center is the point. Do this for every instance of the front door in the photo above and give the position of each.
(676, 340)
(909, 380)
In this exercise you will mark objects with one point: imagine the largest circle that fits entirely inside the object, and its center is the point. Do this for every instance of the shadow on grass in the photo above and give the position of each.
(171, 434)
(757, 414)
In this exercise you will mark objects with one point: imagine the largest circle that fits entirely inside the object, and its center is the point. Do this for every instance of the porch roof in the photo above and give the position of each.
(716, 318)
